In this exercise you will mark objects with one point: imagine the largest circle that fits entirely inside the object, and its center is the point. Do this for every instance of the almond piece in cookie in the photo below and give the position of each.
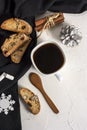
(17, 55)
(13, 43)
(30, 99)
(17, 25)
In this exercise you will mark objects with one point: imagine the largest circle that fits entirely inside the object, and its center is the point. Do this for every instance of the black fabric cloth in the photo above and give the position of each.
(32, 7)
(12, 120)
(6, 65)
(27, 10)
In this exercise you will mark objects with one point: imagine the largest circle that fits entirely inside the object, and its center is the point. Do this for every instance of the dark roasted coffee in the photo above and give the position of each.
(48, 58)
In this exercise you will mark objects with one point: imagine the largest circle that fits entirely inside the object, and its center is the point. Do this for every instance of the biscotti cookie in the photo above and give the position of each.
(30, 99)
(17, 55)
(17, 25)
(13, 42)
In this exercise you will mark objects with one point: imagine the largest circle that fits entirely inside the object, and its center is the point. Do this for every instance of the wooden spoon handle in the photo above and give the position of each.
(49, 101)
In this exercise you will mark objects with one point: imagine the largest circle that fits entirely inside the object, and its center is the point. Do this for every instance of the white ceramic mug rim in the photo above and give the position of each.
(37, 47)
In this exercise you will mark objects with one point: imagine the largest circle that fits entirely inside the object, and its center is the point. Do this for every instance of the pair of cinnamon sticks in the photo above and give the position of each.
(49, 21)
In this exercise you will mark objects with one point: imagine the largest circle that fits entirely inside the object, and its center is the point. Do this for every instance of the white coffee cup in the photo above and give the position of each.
(53, 52)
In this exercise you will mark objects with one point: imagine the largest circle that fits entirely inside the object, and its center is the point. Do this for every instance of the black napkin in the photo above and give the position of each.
(9, 100)
(11, 119)
(10, 114)
(6, 65)
(32, 7)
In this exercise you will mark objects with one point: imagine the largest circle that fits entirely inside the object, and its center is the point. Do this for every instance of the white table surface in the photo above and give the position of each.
(70, 94)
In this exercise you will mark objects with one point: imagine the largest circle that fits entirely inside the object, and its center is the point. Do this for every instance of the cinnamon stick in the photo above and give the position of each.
(49, 21)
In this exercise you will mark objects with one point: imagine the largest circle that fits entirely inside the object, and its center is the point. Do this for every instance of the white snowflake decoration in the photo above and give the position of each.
(6, 103)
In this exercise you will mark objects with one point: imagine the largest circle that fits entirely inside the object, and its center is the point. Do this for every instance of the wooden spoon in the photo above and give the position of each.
(36, 81)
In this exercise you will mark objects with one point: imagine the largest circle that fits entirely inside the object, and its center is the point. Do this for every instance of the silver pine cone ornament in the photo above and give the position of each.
(70, 35)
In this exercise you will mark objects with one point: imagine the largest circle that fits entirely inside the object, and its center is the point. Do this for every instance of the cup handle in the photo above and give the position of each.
(59, 76)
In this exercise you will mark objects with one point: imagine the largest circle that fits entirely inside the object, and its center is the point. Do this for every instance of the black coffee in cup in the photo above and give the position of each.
(48, 58)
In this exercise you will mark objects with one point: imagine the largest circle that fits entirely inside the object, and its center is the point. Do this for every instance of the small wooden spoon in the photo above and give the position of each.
(36, 81)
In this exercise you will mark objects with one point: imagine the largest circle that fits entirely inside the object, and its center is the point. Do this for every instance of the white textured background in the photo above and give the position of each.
(69, 95)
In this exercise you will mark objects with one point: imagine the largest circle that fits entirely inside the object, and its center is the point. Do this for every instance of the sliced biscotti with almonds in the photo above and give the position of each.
(17, 55)
(31, 100)
(17, 25)
(13, 43)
